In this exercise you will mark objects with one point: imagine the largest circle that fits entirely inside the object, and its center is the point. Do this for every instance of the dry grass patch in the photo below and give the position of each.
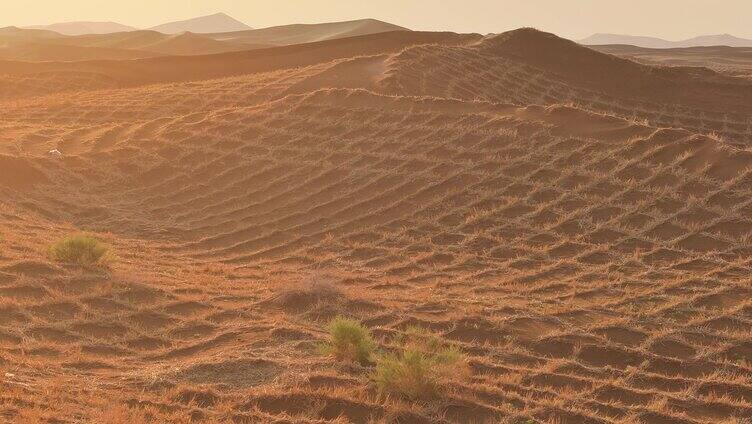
(350, 341)
(81, 250)
(423, 367)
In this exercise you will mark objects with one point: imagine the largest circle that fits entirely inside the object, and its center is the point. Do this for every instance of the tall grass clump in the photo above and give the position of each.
(350, 341)
(82, 250)
(422, 366)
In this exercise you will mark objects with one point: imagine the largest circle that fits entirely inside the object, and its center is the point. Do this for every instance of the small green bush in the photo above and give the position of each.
(80, 250)
(350, 341)
(421, 368)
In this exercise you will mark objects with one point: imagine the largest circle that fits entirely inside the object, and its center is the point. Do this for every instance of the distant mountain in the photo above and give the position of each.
(308, 33)
(185, 43)
(43, 52)
(658, 43)
(41, 45)
(716, 40)
(217, 23)
(81, 28)
(604, 39)
(26, 33)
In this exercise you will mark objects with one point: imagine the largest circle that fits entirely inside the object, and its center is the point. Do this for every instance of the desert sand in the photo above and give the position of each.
(578, 224)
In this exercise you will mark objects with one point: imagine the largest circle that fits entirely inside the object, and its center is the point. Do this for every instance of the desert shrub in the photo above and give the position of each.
(80, 250)
(422, 366)
(350, 341)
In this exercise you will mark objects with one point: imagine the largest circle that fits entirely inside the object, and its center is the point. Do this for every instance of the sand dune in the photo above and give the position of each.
(578, 224)
(526, 66)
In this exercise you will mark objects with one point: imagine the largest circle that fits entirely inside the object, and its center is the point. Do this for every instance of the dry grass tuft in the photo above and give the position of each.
(350, 341)
(82, 250)
(423, 367)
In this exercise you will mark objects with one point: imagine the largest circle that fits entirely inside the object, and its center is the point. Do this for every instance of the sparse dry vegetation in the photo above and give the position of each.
(422, 366)
(82, 250)
(350, 341)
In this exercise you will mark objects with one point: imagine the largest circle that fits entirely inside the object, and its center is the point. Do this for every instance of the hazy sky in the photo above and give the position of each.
(672, 19)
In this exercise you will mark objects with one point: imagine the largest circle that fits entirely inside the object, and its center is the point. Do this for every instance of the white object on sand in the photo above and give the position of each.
(56, 153)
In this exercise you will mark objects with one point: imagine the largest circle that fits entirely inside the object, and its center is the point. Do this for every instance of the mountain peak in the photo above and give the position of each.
(215, 23)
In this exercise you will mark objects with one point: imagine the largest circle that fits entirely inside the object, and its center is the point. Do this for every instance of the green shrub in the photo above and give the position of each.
(80, 250)
(350, 341)
(421, 368)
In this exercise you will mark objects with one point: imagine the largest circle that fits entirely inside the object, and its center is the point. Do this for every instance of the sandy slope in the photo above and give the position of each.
(594, 268)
